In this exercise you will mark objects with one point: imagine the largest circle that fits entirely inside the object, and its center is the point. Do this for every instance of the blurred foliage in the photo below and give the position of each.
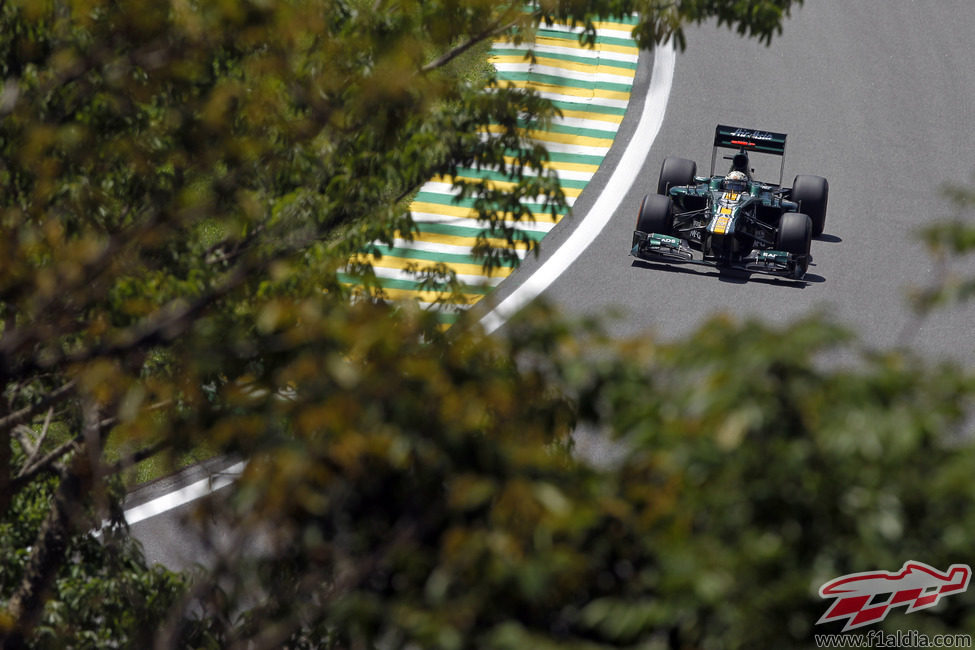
(181, 183)
(950, 243)
(424, 492)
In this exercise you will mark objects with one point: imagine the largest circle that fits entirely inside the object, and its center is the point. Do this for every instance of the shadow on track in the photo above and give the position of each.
(732, 276)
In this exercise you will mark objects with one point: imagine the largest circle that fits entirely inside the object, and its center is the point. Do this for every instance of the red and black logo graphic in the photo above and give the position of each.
(865, 598)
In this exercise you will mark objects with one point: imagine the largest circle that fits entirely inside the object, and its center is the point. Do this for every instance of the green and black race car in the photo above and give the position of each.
(734, 220)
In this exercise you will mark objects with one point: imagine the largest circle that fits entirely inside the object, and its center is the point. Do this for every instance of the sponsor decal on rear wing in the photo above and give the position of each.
(736, 137)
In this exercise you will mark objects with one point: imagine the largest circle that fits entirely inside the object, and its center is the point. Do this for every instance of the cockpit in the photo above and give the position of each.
(736, 182)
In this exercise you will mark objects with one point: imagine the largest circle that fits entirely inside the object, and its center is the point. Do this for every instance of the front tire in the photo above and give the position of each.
(812, 195)
(656, 215)
(674, 173)
(795, 236)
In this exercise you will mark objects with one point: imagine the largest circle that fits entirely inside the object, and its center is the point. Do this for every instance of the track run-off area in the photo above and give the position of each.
(591, 87)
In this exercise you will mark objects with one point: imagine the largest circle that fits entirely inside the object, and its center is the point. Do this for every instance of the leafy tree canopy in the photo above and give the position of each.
(181, 184)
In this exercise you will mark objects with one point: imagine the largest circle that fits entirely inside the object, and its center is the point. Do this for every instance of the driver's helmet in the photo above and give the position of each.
(740, 163)
(735, 182)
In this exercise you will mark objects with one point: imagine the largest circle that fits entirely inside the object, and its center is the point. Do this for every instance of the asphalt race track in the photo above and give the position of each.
(878, 96)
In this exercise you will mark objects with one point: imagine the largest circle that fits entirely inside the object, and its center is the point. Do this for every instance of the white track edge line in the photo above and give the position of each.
(184, 495)
(619, 183)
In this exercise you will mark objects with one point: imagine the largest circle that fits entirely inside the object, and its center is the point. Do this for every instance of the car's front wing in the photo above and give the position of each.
(655, 247)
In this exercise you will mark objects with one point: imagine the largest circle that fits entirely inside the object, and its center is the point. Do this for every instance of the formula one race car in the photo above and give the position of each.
(735, 221)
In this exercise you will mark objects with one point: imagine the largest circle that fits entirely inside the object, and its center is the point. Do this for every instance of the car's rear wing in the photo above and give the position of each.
(749, 141)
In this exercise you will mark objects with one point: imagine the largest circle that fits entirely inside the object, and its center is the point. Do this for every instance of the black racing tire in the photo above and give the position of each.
(812, 195)
(656, 215)
(795, 233)
(675, 172)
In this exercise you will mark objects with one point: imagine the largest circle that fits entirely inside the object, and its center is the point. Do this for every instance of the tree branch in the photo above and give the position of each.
(7, 486)
(137, 457)
(493, 30)
(32, 446)
(23, 415)
(44, 464)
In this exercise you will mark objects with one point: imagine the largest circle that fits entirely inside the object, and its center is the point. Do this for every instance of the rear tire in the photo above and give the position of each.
(675, 172)
(656, 215)
(812, 195)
